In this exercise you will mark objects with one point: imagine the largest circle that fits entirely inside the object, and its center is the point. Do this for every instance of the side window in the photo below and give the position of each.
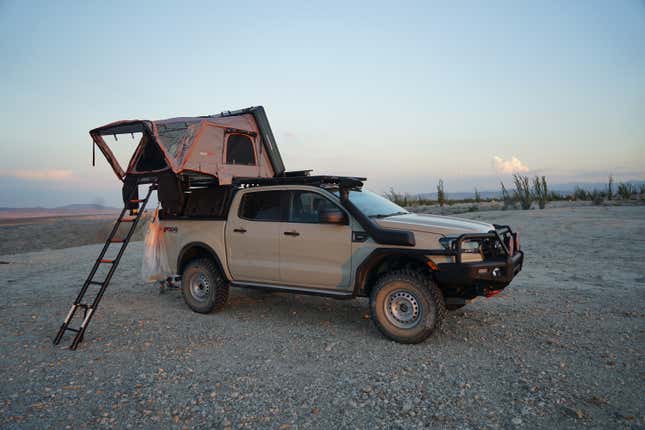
(306, 206)
(239, 150)
(262, 206)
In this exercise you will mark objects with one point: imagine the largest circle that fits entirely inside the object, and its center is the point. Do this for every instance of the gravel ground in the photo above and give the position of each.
(562, 347)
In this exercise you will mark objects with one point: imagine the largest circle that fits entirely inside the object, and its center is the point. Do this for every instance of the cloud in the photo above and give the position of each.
(38, 175)
(514, 165)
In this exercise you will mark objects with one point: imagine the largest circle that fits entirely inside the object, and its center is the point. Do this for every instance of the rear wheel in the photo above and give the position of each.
(203, 287)
(406, 306)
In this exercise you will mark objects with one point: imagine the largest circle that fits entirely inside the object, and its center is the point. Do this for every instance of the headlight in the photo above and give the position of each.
(447, 242)
(467, 246)
(471, 246)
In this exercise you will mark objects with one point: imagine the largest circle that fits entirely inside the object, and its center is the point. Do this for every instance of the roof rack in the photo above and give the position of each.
(350, 182)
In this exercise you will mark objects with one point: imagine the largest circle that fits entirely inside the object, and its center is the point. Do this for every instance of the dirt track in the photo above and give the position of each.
(563, 346)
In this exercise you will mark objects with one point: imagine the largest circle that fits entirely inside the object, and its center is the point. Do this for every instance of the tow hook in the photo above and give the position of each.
(491, 293)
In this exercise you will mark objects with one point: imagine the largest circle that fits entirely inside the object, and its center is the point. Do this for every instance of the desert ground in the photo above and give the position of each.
(30, 233)
(563, 346)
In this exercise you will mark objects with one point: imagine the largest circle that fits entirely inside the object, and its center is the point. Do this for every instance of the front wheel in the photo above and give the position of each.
(406, 306)
(203, 287)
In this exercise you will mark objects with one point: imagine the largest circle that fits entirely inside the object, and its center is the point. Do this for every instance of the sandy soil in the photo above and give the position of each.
(55, 232)
(562, 347)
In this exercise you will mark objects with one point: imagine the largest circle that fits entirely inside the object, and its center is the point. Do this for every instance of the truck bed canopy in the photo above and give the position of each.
(224, 146)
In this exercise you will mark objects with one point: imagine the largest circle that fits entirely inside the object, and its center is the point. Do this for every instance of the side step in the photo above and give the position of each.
(336, 294)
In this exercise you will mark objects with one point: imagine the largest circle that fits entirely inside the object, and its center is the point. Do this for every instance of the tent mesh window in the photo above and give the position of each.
(239, 150)
(174, 136)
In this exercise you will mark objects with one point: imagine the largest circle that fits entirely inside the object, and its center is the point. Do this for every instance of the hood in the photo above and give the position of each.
(447, 226)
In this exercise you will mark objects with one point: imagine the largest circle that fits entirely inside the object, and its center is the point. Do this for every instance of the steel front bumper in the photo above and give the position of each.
(483, 278)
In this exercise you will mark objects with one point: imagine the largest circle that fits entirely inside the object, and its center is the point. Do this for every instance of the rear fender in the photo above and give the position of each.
(194, 250)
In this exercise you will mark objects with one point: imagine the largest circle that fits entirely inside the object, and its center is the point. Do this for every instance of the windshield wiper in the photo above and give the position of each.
(387, 215)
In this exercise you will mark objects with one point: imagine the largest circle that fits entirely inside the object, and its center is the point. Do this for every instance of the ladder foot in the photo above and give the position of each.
(59, 335)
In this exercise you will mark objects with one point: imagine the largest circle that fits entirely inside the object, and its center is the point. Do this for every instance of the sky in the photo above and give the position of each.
(402, 93)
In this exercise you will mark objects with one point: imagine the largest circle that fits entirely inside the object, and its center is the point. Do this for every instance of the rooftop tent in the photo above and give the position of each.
(231, 144)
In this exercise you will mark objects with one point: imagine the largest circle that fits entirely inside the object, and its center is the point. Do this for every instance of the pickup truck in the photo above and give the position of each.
(328, 236)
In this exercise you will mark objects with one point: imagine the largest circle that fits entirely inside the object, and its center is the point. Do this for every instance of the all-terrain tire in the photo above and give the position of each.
(204, 288)
(406, 306)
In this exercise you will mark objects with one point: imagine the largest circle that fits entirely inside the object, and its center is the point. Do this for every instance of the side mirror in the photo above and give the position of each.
(332, 216)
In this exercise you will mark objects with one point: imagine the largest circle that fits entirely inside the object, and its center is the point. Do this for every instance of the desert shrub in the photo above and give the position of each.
(473, 208)
(610, 187)
(406, 199)
(596, 197)
(398, 198)
(441, 194)
(540, 191)
(427, 201)
(523, 191)
(509, 202)
(580, 194)
(555, 196)
(625, 190)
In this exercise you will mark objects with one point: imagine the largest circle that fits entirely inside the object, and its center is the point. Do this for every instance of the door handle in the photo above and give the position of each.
(239, 230)
(291, 233)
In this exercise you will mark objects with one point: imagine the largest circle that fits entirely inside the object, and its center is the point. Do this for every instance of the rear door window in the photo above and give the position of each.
(263, 206)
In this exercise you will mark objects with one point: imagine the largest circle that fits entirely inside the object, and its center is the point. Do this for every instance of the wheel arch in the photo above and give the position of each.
(194, 250)
(382, 260)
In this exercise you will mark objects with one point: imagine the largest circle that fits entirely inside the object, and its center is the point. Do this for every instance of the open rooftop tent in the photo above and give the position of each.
(196, 162)
(216, 147)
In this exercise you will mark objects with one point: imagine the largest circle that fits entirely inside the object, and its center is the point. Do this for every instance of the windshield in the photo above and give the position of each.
(373, 205)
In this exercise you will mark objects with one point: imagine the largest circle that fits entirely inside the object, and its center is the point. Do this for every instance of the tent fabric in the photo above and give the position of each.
(197, 144)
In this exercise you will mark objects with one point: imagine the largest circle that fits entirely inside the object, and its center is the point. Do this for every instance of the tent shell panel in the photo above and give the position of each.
(201, 148)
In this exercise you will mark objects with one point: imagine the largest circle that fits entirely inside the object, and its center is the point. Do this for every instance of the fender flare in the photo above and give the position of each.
(377, 256)
(211, 253)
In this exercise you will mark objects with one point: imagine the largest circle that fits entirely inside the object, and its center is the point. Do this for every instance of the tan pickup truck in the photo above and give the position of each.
(232, 215)
(328, 236)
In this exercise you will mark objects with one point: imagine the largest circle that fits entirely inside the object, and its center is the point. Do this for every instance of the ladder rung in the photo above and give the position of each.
(106, 261)
(117, 240)
(128, 219)
(137, 201)
(72, 329)
(95, 283)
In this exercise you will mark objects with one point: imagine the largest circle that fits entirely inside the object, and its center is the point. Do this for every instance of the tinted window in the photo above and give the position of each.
(239, 150)
(306, 206)
(261, 206)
